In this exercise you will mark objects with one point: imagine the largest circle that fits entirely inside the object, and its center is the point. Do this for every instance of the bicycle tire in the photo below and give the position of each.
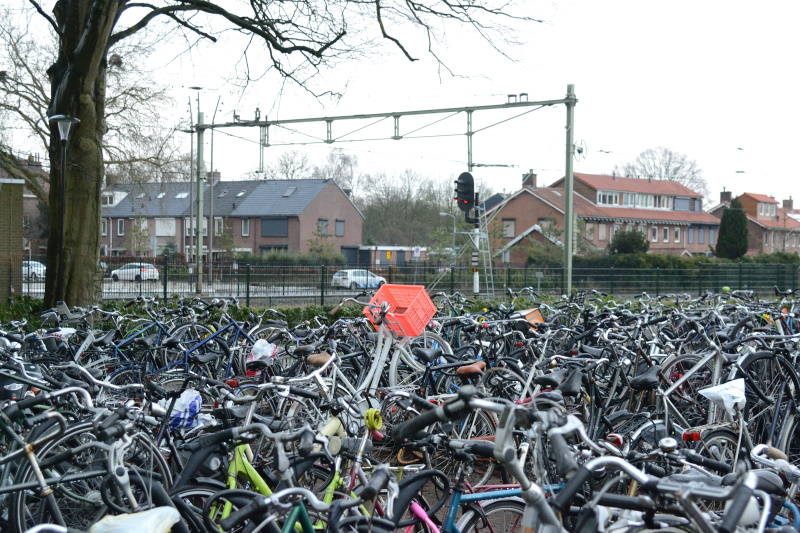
(504, 516)
(693, 406)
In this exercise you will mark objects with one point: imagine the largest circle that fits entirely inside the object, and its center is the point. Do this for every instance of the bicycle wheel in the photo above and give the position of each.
(720, 445)
(476, 425)
(773, 376)
(80, 501)
(691, 405)
(503, 516)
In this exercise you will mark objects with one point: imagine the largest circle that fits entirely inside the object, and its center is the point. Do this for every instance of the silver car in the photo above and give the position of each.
(33, 270)
(135, 272)
(357, 279)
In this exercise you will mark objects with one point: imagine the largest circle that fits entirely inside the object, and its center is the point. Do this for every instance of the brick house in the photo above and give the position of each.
(249, 216)
(668, 213)
(770, 226)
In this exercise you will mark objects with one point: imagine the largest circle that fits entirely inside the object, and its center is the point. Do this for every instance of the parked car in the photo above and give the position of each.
(355, 279)
(135, 272)
(33, 270)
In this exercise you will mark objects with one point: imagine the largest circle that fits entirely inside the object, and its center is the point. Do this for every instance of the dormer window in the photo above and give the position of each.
(161, 195)
(107, 199)
(607, 198)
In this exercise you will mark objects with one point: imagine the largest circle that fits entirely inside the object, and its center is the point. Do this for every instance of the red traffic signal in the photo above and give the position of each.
(465, 191)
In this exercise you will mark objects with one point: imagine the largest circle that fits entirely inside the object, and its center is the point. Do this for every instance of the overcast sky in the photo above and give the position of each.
(704, 78)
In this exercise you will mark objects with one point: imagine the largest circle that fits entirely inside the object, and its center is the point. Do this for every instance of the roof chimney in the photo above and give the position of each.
(725, 197)
(216, 176)
(347, 192)
(788, 204)
(529, 179)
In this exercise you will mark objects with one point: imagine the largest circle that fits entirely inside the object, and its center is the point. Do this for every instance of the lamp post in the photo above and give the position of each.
(64, 123)
(453, 249)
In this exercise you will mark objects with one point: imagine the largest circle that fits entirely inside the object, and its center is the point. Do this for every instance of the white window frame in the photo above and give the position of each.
(677, 234)
(104, 227)
(336, 227)
(628, 199)
(245, 227)
(607, 198)
(509, 228)
(219, 226)
(120, 227)
(644, 201)
(166, 227)
(654, 234)
(666, 233)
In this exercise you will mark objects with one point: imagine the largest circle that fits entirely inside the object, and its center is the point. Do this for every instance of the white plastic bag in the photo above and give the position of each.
(187, 407)
(727, 395)
(262, 351)
(158, 520)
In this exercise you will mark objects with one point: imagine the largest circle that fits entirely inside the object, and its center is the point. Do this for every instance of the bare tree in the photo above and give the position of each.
(296, 37)
(664, 164)
(291, 165)
(136, 146)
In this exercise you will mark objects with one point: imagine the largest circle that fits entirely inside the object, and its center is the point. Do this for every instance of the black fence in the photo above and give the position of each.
(267, 285)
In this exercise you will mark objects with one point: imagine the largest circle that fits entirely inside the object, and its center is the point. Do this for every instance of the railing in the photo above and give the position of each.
(259, 284)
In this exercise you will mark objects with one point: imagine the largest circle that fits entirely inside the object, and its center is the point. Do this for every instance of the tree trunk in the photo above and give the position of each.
(77, 82)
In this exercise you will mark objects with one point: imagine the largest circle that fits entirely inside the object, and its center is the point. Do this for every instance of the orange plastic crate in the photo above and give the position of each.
(410, 304)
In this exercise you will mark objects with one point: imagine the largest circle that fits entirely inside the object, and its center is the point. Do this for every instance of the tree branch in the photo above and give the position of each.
(47, 17)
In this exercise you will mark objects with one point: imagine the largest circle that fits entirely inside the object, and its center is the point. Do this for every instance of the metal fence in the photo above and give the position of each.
(268, 285)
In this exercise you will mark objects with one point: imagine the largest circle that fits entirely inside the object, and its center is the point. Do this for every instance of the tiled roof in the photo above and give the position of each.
(586, 209)
(635, 185)
(783, 221)
(231, 198)
(761, 197)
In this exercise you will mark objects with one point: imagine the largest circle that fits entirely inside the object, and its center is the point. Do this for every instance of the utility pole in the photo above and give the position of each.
(568, 179)
(212, 226)
(200, 182)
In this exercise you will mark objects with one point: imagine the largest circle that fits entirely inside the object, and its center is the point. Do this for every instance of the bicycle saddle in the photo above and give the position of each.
(553, 379)
(105, 340)
(648, 380)
(308, 348)
(318, 359)
(202, 358)
(234, 411)
(475, 368)
(172, 342)
(572, 385)
(149, 340)
(553, 396)
(427, 355)
(592, 350)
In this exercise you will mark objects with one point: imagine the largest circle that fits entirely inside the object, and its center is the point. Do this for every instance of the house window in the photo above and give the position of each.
(690, 236)
(662, 202)
(339, 228)
(245, 227)
(711, 235)
(219, 226)
(774, 210)
(104, 227)
(760, 209)
(681, 204)
(607, 198)
(322, 226)
(628, 199)
(107, 199)
(120, 227)
(602, 232)
(701, 235)
(677, 234)
(666, 234)
(590, 230)
(698, 204)
(644, 200)
(654, 234)
(103, 250)
(506, 256)
(165, 227)
(766, 238)
(773, 238)
(616, 229)
(187, 224)
(275, 227)
(509, 227)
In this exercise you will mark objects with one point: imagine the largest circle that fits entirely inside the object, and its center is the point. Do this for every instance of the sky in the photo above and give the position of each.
(715, 80)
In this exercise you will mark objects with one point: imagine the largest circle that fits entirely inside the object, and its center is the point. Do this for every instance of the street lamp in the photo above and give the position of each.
(64, 124)
(453, 250)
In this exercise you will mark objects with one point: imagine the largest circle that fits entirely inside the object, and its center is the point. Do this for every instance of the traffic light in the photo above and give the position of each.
(465, 191)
